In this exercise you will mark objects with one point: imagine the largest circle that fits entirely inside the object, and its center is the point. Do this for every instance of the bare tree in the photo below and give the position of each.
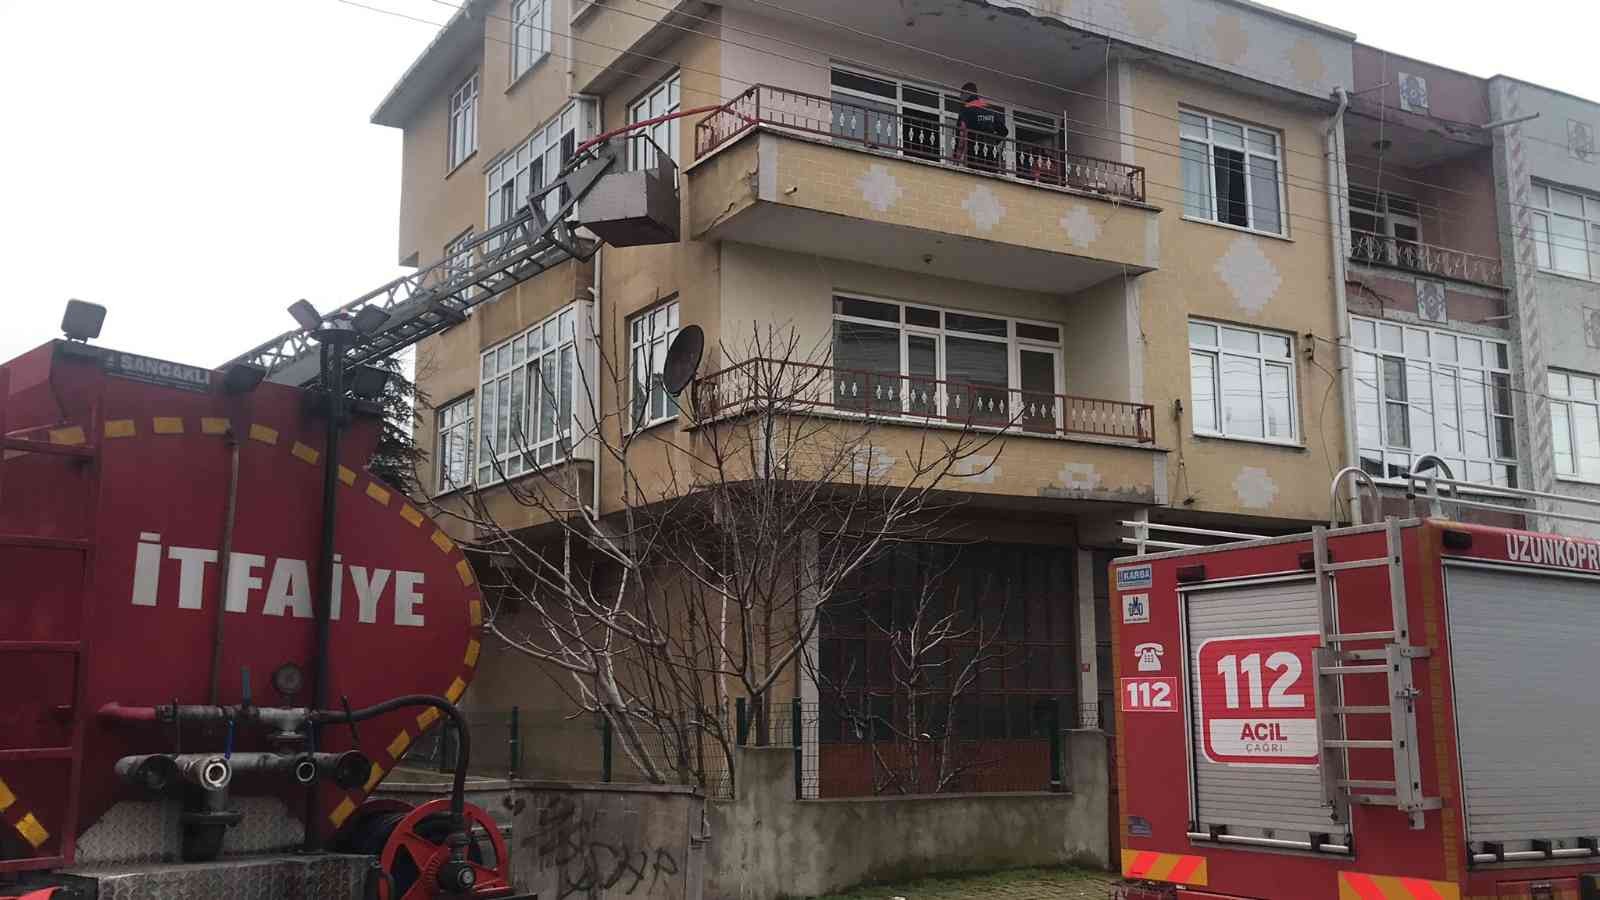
(702, 575)
(938, 647)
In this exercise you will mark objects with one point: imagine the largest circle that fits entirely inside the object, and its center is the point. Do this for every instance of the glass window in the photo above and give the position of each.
(463, 134)
(971, 368)
(1575, 425)
(1566, 234)
(650, 333)
(1385, 228)
(1231, 173)
(1241, 382)
(530, 34)
(453, 450)
(525, 171)
(528, 393)
(658, 101)
(1425, 390)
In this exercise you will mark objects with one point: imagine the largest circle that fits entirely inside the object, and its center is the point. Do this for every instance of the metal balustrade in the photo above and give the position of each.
(760, 383)
(915, 136)
(1427, 259)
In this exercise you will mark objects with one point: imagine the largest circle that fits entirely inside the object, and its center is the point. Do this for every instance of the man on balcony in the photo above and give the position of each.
(979, 131)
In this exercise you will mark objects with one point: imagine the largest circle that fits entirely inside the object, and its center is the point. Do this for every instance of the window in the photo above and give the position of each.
(1385, 228)
(458, 256)
(1575, 425)
(919, 120)
(1232, 173)
(526, 170)
(1242, 382)
(526, 397)
(1566, 231)
(659, 101)
(463, 123)
(1426, 390)
(649, 335)
(909, 359)
(454, 447)
(530, 34)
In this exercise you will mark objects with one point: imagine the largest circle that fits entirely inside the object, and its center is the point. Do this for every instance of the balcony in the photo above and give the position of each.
(1425, 259)
(1040, 444)
(835, 178)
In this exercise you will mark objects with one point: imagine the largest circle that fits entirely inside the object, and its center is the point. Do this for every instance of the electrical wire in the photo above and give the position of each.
(1182, 195)
(1297, 181)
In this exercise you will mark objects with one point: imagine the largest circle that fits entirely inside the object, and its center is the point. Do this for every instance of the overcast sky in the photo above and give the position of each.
(197, 165)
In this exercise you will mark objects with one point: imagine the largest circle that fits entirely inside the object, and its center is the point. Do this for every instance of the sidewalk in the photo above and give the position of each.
(1022, 884)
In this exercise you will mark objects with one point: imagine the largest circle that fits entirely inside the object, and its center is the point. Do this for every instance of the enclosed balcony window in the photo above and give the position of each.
(916, 360)
(529, 393)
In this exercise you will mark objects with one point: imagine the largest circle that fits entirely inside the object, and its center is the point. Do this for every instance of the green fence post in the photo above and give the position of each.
(741, 718)
(516, 742)
(605, 748)
(799, 748)
(1055, 745)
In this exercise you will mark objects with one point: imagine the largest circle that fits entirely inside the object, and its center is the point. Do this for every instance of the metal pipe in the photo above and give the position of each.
(299, 766)
(1337, 190)
(1522, 855)
(154, 772)
(1268, 842)
(333, 388)
(224, 556)
(283, 719)
(1360, 475)
(458, 784)
(207, 771)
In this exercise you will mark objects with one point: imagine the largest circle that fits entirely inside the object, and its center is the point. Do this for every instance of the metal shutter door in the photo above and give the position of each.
(1246, 797)
(1523, 654)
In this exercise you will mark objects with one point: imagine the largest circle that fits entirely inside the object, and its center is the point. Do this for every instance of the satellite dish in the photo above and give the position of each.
(683, 359)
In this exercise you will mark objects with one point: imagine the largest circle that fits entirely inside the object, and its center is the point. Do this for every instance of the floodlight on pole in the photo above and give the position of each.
(369, 319)
(368, 382)
(82, 320)
(306, 315)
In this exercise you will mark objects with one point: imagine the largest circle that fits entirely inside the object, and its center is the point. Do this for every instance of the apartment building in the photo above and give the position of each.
(1146, 263)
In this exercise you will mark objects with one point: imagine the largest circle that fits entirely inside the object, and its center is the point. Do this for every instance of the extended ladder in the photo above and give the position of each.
(1392, 662)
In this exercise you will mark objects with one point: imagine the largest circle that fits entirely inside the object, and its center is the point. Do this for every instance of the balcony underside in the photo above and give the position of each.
(809, 196)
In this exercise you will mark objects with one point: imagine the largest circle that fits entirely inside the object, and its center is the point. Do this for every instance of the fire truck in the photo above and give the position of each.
(1406, 709)
(219, 633)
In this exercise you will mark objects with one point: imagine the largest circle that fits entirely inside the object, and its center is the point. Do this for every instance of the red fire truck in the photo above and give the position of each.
(1401, 710)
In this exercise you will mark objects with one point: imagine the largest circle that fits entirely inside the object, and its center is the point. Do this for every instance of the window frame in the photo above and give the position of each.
(1015, 345)
(670, 89)
(1216, 351)
(534, 17)
(464, 428)
(1568, 400)
(1436, 366)
(515, 458)
(461, 133)
(1210, 144)
(1541, 207)
(637, 343)
(527, 167)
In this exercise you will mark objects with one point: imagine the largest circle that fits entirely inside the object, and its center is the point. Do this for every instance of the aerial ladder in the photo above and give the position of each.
(596, 198)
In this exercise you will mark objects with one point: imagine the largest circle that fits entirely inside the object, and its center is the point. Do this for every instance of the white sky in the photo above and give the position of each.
(198, 165)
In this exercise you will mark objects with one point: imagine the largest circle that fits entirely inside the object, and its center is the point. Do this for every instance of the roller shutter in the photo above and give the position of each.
(1525, 661)
(1285, 802)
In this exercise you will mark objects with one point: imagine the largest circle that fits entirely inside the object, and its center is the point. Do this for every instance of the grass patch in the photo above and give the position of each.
(1020, 883)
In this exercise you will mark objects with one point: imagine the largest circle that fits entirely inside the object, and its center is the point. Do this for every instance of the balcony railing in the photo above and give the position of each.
(800, 388)
(1370, 247)
(914, 136)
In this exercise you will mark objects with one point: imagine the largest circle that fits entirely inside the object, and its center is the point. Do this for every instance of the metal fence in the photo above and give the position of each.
(839, 751)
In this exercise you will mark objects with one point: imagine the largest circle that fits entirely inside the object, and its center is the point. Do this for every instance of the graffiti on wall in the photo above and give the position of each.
(587, 859)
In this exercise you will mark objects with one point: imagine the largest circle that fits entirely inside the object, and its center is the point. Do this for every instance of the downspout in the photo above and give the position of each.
(1337, 187)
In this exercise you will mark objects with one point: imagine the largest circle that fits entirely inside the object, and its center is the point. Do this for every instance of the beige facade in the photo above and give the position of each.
(780, 216)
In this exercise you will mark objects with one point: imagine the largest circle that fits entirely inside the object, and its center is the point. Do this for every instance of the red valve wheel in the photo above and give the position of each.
(416, 850)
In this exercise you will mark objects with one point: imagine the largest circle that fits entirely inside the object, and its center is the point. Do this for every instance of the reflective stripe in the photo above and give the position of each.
(1360, 886)
(1178, 868)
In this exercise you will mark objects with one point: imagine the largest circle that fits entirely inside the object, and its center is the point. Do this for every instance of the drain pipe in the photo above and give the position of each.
(224, 556)
(1337, 188)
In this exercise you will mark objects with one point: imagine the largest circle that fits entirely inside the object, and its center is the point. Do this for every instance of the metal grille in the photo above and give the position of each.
(1263, 801)
(1522, 658)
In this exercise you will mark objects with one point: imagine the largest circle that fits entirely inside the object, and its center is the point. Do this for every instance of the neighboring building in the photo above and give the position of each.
(1547, 175)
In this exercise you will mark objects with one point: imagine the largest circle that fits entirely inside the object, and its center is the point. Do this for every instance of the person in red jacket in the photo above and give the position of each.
(980, 129)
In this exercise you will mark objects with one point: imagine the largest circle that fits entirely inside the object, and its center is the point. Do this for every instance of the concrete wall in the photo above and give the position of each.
(766, 844)
(1452, 95)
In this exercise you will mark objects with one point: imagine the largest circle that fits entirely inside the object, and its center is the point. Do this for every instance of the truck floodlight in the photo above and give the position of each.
(368, 382)
(306, 315)
(242, 378)
(82, 320)
(369, 319)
